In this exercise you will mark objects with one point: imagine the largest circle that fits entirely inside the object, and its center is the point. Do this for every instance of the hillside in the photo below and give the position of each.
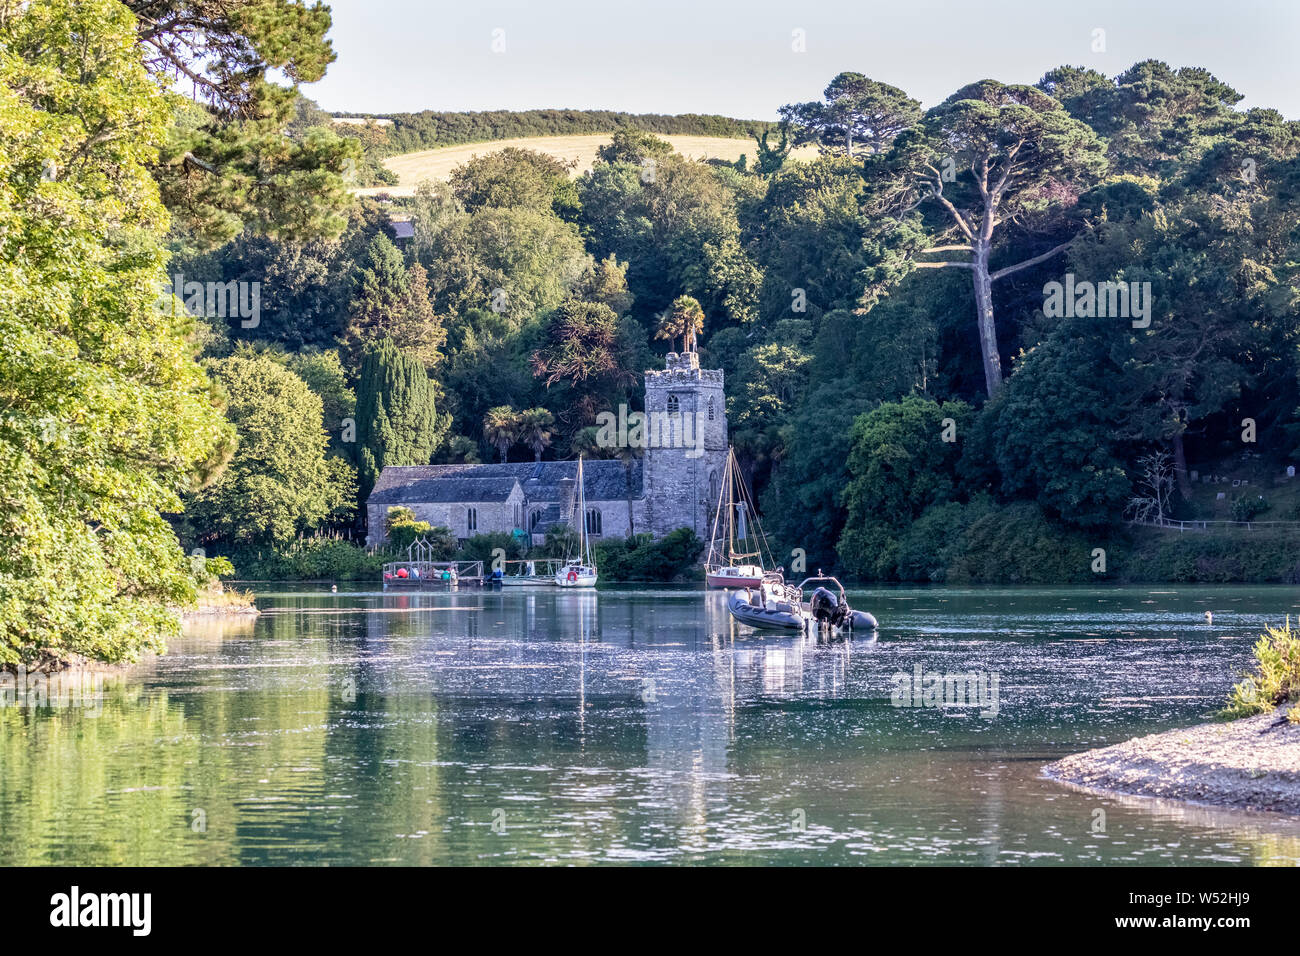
(437, 164)
(431, 129)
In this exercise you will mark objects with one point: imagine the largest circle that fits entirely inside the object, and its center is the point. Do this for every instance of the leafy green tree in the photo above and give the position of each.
(1066, 452)
(675, 222)
(771, 379)
(324, 374)
(900, 463)
(808, 239)
(605, 282)
(1157, 120)
(590, 358)
(280, 483)
(488, 364)
(107, 419)
(630, 145)
(514, 178)
(642, 558)
(402, 529)
(990, 154)
(397, 418)
(460, 451)
(770, 158)
(582, 344)
(859, 115)
(483, 547)
(303, 291)
(516, 262)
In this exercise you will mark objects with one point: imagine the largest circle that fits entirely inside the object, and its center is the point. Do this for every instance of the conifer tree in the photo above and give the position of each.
(397, 421)
(392, 301)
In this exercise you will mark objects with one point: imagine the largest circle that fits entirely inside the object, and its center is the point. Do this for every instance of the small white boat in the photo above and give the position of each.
(526, 573)
(579, 572)
(735, 576)
(576, 575)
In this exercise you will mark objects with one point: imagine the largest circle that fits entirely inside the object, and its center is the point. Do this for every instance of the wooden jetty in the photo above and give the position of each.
(422, 570)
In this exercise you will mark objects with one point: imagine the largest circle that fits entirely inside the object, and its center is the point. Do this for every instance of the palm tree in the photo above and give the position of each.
(501, 428)
(535, 430)
(685, 317)
(628, 455)
(584, 443)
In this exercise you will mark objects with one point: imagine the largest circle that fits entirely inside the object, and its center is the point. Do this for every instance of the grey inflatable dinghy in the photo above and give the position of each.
(780, 606)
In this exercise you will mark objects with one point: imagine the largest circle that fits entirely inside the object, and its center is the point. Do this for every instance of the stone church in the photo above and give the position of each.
(674, 484)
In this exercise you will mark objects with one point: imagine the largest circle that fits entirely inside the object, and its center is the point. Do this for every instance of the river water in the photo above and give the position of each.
(638, 726)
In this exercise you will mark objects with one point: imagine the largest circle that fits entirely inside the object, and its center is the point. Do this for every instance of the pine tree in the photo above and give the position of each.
(391, 301)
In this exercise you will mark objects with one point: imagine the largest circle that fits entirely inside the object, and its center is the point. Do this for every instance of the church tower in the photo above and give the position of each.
(685, 462)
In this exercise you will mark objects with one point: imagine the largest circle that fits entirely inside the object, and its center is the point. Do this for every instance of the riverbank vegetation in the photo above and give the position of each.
(1276, 678)
(911, 392)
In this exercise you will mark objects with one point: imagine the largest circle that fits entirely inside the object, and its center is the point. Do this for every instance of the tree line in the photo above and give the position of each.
(430, 129)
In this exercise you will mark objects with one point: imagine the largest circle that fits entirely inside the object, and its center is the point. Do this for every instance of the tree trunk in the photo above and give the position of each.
(1180, 467)
(988, 331)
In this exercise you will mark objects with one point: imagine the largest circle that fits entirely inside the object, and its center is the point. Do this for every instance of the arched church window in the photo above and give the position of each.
(674, 403)
(534, 520)
(713, 486)
(710, 409)
(471, 519)
(593, 521)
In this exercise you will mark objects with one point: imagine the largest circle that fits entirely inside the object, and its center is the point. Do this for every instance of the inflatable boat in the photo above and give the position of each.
(780, 606)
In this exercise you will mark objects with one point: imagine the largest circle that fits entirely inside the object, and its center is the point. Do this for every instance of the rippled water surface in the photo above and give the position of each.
(638, 727)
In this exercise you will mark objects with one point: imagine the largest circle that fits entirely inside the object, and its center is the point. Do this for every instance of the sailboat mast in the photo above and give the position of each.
(731, 505)
(735, 481)
(582, 517)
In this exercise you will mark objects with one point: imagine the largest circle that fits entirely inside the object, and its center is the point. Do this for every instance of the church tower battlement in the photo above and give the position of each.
(683, 471)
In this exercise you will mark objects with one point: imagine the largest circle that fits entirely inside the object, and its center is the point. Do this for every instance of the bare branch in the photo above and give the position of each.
(1030, 262)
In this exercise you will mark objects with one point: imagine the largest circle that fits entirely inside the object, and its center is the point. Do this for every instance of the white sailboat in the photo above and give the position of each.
(724, 566)
(579, 572)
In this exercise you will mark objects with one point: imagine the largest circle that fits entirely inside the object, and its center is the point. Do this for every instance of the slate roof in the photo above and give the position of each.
(603, 480)
(402, 229)
(397, 485)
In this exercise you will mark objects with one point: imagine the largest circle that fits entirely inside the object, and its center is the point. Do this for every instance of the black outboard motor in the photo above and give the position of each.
(825, 606)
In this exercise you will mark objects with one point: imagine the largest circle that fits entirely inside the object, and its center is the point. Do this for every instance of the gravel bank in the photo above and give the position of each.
(1250, 764)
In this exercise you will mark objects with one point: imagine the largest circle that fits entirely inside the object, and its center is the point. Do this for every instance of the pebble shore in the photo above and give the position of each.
(1248, 764)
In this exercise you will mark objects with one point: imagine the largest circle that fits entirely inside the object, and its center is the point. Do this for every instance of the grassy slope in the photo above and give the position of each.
(437, 164)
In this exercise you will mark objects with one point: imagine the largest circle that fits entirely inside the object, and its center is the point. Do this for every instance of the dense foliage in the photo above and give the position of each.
(903, 400)
(107, 421)
(907, 396)
(641, 558)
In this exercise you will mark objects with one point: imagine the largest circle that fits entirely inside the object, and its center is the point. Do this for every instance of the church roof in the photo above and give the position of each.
(604, 480)
(398, 484)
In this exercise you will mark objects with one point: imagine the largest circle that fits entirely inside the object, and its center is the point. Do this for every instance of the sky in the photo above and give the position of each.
(746, 59)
